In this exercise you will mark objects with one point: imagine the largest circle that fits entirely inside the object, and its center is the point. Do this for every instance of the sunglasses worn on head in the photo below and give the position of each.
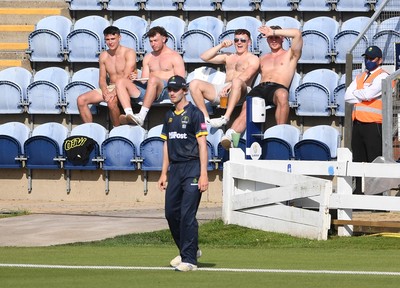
(242, 40)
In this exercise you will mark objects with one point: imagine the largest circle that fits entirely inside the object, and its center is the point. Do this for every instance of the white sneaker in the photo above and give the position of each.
(134, 119)
(218, 122)
(226, 142)
(186, 267)
(178, 260)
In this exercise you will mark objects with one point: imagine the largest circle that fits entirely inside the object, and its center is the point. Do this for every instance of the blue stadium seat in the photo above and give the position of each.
(201, 35)
(199, 5)
(86, 40)
(82, 81)
(353, 5)
(282, 21)
(292, 89)
(85, 4)
(12, 138)
(48, 42)
(276, 5)
(122, 149)
(213, 138)
(151, 150)
(318, 34)
(237, 5)
(13, 84)
(43, 150)
(175, 28)
(338, 97)
(46, 92)
(279, 141)
(314, 5)
(318, 143)
(123, 5)
(94, 131)
(349, 31)
(314, 93)
(161, 5)
(392, 5)
(132, 30)
(388, 32)
(248, 22)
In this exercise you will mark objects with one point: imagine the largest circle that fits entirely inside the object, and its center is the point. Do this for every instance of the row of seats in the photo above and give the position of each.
(127, 147)
(52, 90)
(224, 5)
(56, 39)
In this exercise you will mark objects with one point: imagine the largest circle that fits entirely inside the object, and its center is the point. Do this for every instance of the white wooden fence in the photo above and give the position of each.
(287, 197)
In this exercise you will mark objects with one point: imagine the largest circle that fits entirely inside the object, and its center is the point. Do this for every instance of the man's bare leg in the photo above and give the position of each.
(281, 100)
(200, 90)
(113, 110)
(83, 102)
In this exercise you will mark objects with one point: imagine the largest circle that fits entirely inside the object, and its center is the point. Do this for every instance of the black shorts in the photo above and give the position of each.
(266, 90)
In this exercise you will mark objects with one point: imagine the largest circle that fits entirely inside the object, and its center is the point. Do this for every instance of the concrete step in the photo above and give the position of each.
(18, 19)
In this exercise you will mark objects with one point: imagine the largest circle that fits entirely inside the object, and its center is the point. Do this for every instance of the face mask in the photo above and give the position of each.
(370, 65)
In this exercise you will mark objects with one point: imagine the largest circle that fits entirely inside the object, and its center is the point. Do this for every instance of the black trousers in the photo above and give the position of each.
(366, 144)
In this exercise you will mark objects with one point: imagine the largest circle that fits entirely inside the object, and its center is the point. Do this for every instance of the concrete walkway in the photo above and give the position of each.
(53, 228)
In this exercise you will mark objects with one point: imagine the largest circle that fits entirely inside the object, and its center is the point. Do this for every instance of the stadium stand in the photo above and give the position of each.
(213, 138)
(313, 5)
(175, 28)
(82, 81)
(387, 34)
(161, 5)
(132, 30)
(49, 40)
(199, 5)
(44, 149)
(318, 34)
(279, 141)
(14, 82)
(314, 93)
(353, 5)
(12, 138)
(151, 150)
(121, 150)
(86, 40)
(318, 143)
(237, 5)
(123, 5)
(85, 5)
(276, 5)
(349, 31)
(45, 93)
(338, 97)
(202, 34)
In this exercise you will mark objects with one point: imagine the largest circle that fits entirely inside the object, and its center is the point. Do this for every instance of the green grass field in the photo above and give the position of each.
(223, 246)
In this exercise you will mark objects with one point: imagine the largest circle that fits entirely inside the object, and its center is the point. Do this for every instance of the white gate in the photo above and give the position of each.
(267, 195)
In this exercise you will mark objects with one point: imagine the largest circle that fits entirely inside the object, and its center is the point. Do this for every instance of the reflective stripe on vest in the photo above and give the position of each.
(368, 111)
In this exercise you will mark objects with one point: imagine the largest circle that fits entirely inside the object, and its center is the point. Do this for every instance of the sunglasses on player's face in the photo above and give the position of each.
(173, 89)
(242, 40)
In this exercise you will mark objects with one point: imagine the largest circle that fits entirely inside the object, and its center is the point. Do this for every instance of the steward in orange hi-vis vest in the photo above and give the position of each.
(368, 111)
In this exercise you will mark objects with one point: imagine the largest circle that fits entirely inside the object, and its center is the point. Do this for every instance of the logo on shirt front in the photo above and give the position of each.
(185, 121)
(176, 135)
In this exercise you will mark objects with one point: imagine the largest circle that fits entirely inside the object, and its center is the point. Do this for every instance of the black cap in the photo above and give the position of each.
(373, 52)
(176, 82)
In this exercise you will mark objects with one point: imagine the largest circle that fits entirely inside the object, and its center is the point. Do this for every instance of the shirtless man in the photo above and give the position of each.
(240, 69)
(158, 66)
(277, 70)
(117, 63)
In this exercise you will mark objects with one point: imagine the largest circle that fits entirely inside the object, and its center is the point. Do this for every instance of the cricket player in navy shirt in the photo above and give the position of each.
(185, 154)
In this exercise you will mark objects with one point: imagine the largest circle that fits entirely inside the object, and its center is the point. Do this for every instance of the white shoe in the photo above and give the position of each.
(186, 267)
(218, 122)
(226, 142)
(178, 260)
(134, 119)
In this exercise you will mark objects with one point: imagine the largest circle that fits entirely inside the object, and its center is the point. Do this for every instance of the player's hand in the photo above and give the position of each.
(266, 31)
(226, 43)
(203, 183)
(162, 183)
